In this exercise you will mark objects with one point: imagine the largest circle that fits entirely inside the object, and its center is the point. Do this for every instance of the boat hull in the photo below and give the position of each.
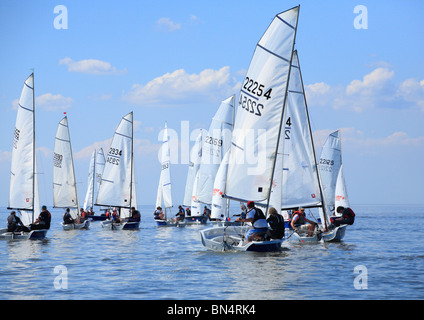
(76, 226)
(109, 225)
(32, 235)
(196, 219)
(170, 223)
(97, 218)
(334, 235)
(232, 239)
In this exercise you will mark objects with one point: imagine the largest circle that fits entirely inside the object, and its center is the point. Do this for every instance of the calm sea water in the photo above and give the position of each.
(381, 257)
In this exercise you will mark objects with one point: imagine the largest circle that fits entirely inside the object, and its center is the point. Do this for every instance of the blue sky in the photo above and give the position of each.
(176, 61)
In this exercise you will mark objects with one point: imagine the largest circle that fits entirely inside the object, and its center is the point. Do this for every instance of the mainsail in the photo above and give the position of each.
(117, 188)
(301, 185)
(165, 188)
(65, 193)
(215, 145)
(259, 114)
(329, 166)
(95, 171)
(193, 168)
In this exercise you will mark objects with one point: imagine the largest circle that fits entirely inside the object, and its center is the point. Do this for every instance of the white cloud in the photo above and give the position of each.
(167, 24)
(53, 102)
(180, 87)
(376, 90)
(91, 66)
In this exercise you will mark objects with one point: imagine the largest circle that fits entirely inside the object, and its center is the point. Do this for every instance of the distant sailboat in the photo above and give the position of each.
(65, 194)
(24, 196)
(257, 127)
(164, 194)
(117, 188)
(97, 165)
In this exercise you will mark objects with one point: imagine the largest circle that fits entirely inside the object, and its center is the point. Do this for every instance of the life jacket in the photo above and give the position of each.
(301, 220)
(348, 213)
(84, 215)
(259, 214)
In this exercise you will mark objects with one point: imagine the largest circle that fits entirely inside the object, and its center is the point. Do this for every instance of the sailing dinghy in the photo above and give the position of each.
(257, 127)
(331, 170)
(95, 171)
(23, 194)
(65, 194)
(117, 188)
(164, 194)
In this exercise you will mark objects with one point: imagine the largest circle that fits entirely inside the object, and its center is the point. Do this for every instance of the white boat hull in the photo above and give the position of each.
(32, 235)
(76, 226)
(335, 234)
(126, 225)
(232, 239)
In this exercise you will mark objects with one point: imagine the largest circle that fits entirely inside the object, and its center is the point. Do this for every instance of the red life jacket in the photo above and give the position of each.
(348, 213)
(300, 220)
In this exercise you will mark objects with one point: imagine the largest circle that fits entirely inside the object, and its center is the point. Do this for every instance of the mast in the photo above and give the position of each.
(132, 157)
(33, 146)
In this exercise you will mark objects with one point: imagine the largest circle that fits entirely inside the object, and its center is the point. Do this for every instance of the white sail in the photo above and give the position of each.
(215, 145)
(341, 198)
(193, 168)
(164, 189)
(219, 203)
(88, 201)
(260, 112)
(21, 194)
(117, 188)
(329, 166)
(196, 206)
(65, 193)
(301, 187)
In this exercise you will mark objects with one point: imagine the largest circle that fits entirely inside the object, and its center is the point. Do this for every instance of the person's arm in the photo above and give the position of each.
(294, 219)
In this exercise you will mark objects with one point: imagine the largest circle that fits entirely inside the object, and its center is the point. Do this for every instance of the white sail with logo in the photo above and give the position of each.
(164, 194)
(65, 193)
(117, 188)
(215, 145)
(341, 198)
(259, 113)
(329, 166)
(23, 193)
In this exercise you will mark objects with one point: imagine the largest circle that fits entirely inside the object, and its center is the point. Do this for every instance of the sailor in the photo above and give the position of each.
(67, 218)
(158, 214)
(13, 222)
(135, 215)
(299, 222)
(257, 218)
(43, 220)
(276, 224)
(348, 216)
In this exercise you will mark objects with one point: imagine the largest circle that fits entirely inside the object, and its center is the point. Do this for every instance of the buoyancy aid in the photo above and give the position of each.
(348, 213)
(301, 218)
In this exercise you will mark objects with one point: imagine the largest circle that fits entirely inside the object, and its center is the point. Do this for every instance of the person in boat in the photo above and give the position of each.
(83, 216)
(188, 212)
(243, 211)
(115, 217)
(207, 212)
(14, 224)
(135, 215)
(276, 224)
(158, 214)
(43, 220)
(180, 214)
(348, 216)
(90, 212)
(258, 221)
(67, 218)
(299, 222)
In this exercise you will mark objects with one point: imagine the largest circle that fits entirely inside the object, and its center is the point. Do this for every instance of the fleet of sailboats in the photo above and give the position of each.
(262, 152)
